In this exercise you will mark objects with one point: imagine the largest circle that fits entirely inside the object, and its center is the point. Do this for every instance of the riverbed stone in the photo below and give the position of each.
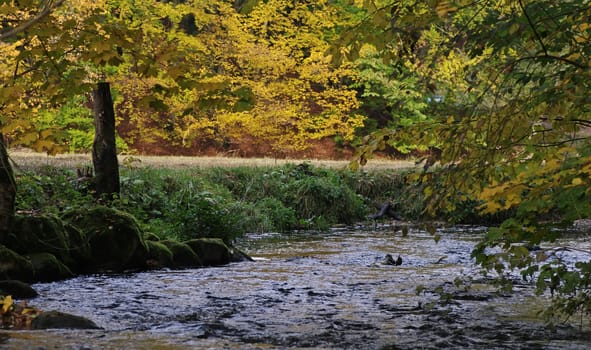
(47, 268)
(182, 254)
(115, 238)
(159, 255)
(61, 320)
(211, 251)
(14, 266)
(17, 289)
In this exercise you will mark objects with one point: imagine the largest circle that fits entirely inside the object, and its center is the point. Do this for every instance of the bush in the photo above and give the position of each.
(176, 205)
(51, 190)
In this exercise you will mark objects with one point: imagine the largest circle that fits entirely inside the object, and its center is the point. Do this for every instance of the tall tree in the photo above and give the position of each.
(104, 151)
(7, 190)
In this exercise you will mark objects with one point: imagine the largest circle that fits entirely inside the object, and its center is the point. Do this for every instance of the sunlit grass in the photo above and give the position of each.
(28, 160)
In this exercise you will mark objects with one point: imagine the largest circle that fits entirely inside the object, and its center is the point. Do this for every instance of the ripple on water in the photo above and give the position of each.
(307, 290)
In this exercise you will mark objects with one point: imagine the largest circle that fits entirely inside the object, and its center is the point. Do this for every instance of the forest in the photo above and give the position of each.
(492, 97)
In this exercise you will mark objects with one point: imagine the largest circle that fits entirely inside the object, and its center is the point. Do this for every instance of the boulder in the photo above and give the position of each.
(14, 266)
(47, 268)
(211, 251)
(182, 254)
(38, 234)
(237, 255)
(60, 320)
(18, 289)
(149, 236)
(115, 238)
(80, 254)
(159, 255)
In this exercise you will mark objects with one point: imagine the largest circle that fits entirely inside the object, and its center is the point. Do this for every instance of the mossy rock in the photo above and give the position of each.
(47, 268)
(17, 289)
(115, 238)
(60, 320)
(159, 255)
(237, 255)
(80, 256)
(182, 254)
(38, 234)
(14, 266)
(211, 251)
(149, 236)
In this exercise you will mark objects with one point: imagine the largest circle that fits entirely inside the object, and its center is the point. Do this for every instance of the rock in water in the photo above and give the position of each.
(389, 260)
(60, 320)
(17, 289)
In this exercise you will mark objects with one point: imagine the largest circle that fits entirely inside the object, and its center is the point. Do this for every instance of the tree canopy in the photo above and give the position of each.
(508, 107)
(183, 72)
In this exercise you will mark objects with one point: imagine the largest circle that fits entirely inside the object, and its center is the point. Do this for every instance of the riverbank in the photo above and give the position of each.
(204, 199)
(179, 203)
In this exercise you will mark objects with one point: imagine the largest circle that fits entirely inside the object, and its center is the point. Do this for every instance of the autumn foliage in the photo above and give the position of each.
(186, 75)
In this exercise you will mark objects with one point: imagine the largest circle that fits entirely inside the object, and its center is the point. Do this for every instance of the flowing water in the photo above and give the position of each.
(307, 290)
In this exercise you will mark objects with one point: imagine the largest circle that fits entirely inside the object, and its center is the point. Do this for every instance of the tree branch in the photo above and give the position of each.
(533, 27)
(47, 8)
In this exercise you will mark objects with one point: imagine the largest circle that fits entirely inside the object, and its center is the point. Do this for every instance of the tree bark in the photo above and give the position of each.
(104, 152)
(7, 190)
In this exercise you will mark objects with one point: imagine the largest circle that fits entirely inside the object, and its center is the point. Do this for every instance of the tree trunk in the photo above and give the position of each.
(7, 190)
(104, 152)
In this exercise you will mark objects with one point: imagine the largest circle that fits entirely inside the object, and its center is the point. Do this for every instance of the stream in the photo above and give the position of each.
(310, 290)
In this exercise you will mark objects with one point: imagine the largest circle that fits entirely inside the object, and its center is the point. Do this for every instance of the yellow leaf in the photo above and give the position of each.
(577, 181)
(7, 303)
(445, 7)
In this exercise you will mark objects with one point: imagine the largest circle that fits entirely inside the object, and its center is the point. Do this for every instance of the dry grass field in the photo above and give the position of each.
(25, 160)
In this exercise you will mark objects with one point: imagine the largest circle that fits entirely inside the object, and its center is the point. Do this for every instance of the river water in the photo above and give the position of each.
(308, 290)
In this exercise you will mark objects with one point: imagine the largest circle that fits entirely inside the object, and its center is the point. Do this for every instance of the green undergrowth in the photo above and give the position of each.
(227, 202)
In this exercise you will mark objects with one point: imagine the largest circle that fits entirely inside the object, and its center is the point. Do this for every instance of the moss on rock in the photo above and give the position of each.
(14, 266)
(38, 234)
(211, 251)
(182, 254)
(47, 268)
(115, 238)
(80, 254)
(149, 236)
(159, 255)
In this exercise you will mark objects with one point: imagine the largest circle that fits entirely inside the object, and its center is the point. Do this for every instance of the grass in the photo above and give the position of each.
(28, 160)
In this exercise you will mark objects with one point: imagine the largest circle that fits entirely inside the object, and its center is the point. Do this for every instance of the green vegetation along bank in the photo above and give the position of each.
(177, 217)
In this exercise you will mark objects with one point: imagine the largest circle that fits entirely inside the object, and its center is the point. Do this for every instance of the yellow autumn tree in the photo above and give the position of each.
(259, 78)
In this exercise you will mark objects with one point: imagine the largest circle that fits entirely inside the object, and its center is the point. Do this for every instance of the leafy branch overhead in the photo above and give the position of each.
(30, 18)
(506, 86)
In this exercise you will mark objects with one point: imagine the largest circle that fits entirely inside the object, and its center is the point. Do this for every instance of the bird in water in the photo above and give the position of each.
(389, 260)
